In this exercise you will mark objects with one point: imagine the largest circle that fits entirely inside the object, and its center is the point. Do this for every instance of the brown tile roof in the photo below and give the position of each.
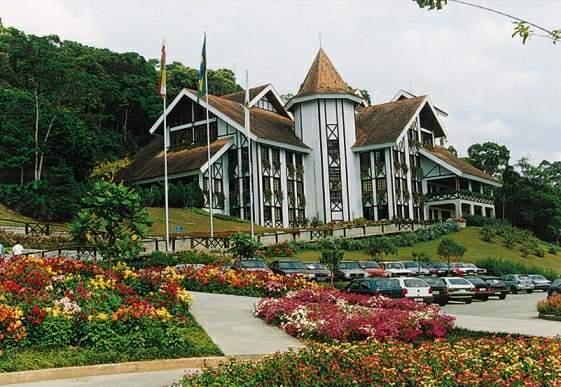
(240, 95)
(264, 124)
(322, 78)
(383, 123)
(149, 161)
(449, 158)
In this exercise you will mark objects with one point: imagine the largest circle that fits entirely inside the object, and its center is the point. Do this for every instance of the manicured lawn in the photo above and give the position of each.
(468, 237)
(6, 213)
(195, 221)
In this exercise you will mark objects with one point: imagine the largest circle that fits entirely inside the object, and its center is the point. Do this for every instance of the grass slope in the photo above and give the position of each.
(6, 213)
(476, 249)
(196, 221)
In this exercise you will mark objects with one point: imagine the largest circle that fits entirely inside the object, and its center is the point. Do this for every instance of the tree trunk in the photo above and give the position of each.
(36, 169)
(40, 169)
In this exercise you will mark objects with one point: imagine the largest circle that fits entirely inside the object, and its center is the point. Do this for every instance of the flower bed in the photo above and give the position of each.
(329, 315)
(550, 306)
(466, 362)
(213, 279)
(56, 303)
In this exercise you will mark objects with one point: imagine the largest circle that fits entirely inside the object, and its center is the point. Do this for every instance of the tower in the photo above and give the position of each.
(324, 116)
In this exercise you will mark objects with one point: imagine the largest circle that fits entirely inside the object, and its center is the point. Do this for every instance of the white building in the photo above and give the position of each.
(323, 154)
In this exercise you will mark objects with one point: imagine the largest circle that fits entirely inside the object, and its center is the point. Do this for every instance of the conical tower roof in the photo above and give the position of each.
(322, 78)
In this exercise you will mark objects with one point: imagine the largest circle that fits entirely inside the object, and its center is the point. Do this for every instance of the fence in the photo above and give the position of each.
(205, 242)
(30, 228)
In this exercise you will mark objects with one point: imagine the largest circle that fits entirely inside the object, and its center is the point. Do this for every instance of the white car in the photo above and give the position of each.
(395, 269)
(416, 289)
(459, 289)
(416, 268)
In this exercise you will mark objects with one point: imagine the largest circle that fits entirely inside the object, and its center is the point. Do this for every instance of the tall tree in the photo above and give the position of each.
(489, 157)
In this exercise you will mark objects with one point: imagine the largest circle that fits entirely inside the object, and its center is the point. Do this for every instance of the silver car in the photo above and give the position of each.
(540, 282)
(416, 268)
(348, 270)
(518, 282)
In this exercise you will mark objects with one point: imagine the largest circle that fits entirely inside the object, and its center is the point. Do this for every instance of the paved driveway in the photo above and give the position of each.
(517, 315)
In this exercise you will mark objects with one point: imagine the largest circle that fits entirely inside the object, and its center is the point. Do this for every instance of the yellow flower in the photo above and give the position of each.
(184, 296)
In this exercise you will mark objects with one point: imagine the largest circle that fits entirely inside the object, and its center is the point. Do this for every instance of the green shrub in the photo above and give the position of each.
(55, 332)
(553, 250)
(331, 259)
(487, 233)
(315, 222)
(160, 258)
(243, 245)
(378, 248)
(500, 267)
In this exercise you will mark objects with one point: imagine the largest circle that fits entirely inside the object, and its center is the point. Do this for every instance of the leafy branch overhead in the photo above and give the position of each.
(522, 28)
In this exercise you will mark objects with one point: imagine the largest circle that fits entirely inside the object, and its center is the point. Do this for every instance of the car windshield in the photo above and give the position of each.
(470, 265)
(394, 265)
(439, 265)
(316, 266)
(415, 283)
(537, 277)
(492, 280)
(369, 265)
(557, 282)
(458, 281)
(434, 281)
(523, 277)
(253, 264)
(410, 264)
(348, 265)
(292, 265)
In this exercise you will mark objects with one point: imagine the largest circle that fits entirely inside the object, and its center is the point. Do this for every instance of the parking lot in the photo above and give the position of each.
(516, 315)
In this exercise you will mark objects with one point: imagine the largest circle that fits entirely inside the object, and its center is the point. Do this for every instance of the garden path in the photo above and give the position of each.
(230, 323)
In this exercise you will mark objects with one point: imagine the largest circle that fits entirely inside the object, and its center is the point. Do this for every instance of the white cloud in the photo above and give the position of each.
(494, 88)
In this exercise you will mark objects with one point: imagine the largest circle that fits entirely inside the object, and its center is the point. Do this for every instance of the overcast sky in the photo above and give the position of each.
(494, 88)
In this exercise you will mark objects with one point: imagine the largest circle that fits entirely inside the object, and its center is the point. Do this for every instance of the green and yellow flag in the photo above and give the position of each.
(203, 87)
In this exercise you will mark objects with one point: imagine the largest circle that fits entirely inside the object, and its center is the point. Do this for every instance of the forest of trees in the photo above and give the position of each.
(64, 107)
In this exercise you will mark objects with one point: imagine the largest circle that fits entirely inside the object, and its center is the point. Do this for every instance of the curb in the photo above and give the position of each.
(549, 317)
(118, 368)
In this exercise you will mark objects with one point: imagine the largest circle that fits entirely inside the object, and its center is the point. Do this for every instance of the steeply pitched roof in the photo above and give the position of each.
(383, 123)
(148, 163)
(264, 124)
(240, 95)
(322, 78)
(461, 165)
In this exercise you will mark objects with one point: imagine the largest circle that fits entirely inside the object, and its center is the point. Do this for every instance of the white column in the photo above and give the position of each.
(458, 209)
(471, 209)
(284, 188)
(389, 180)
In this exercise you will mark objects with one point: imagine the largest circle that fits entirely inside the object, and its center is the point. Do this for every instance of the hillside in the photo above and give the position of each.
(194, 220)
(476, 249)
(7, 214)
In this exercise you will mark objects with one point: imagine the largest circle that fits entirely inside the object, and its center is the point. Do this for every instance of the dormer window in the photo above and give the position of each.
(264, 103)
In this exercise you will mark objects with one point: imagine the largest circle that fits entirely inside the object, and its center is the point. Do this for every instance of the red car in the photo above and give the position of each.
(373, 269)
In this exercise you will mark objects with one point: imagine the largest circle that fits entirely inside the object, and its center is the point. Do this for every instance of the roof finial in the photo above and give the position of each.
(320, 40)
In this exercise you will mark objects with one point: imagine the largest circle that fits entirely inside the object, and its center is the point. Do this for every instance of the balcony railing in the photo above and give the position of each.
(462, 195)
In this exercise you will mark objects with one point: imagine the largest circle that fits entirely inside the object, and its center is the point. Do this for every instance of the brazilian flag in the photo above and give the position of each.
(201, 92)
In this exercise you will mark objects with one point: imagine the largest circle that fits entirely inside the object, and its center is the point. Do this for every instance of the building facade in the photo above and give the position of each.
(324, 154)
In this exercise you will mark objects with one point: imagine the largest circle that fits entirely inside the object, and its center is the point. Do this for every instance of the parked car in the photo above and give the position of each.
(499, 287)
(439, 290)
(416, 289)
(555, 288)
(540, 282)
(373, 269)
(320, 270)
(292, 268)
(461, 269)
(395, 269)
(482, 289)
(518, 282)
(415, 268)
(387, 287)
(251, 264)
(438, 268)
(475, 268)
(348, 270)
(459, 289)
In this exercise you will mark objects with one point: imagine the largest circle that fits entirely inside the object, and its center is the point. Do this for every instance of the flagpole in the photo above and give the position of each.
(166, 175)
(210, 182)
(248, 133)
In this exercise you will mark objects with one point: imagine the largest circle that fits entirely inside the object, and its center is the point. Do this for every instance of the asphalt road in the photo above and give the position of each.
(517, 315)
